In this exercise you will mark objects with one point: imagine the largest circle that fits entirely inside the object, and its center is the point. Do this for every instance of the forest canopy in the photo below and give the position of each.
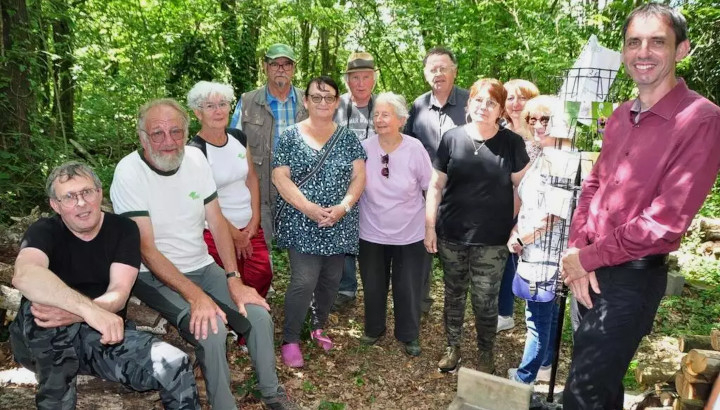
(74, 72)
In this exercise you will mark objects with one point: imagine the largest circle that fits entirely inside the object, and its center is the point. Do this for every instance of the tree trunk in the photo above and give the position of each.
(16, 96)
(240, 49)
(64, 103)
(691, 391)
(715, 339)
(685, 404)
(689, 342)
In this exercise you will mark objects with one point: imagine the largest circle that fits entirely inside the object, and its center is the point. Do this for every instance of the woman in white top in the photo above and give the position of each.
(392, 215)
(237, 183)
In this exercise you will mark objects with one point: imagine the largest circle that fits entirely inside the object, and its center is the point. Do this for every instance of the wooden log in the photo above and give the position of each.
(694, 378)
(691, 391)
(705, 362)
(650, 374)
(689, 342)
(715, 339)
(9, 298)
(685, 404)
(710, 229)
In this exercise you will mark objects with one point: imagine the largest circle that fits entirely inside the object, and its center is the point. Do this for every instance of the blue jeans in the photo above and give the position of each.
(348, 280)
(506, 298)
(541, 319)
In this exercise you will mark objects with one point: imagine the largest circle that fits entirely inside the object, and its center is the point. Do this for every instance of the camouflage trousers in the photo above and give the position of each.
(141, 362)
(480, 268)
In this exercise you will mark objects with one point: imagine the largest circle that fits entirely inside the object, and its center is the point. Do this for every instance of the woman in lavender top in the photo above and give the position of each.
(392, 215)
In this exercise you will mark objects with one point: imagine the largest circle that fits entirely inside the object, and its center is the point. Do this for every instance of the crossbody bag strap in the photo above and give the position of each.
(312, 172)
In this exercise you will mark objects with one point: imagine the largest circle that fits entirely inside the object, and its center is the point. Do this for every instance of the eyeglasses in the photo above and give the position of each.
(69, 200)
(487, 102)
(318, 98)
(158, 136)
(439, 70)
(385, 171)
(544, 120)
(223, 105)
(285, 66)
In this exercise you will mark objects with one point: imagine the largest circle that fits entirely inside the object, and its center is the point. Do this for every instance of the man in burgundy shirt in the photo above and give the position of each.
(660, 157)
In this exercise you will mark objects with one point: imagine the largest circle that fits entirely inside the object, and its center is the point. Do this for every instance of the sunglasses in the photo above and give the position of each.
(544, 120)
(385, 171)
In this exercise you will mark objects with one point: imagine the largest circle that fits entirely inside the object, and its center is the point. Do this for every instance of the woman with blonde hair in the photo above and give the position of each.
(518, 93)
(536, 240)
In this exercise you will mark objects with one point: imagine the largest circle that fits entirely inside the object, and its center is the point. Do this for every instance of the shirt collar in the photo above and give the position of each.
(434, 102)
(668, 104)
(271, 98)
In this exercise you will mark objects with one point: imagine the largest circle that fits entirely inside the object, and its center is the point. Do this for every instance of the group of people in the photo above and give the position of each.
(363, 180)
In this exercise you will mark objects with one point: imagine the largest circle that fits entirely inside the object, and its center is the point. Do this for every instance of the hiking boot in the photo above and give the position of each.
(450, 360)
(369, 340)
(412, 348)
(505, 323)
(486, 362)
(342, 301)
(280, 401)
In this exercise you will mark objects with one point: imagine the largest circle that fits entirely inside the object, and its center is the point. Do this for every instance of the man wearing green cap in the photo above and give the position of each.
(263, 114)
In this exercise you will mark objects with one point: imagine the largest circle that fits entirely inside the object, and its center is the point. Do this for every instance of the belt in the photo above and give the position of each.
(646, 262)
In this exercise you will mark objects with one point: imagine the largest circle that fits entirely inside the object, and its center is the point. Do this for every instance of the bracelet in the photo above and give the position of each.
(233, 274)
(347, 207)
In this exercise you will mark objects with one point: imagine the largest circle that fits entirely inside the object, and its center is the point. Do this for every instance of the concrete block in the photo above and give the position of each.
(478, 390)
(675, 283)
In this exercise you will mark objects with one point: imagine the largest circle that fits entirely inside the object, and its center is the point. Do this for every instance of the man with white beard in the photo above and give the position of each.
(169, 191)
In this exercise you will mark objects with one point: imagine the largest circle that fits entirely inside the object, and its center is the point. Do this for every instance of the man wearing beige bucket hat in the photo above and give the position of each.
(355, 112)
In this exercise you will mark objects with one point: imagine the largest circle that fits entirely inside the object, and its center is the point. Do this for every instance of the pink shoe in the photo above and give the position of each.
(291, 355)
(321, 339)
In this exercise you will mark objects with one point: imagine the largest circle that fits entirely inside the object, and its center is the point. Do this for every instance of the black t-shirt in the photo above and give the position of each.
(477, 202)
(85, 265)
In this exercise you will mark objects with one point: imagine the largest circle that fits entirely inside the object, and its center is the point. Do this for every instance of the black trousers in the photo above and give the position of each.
(406, 267)
(608, 335)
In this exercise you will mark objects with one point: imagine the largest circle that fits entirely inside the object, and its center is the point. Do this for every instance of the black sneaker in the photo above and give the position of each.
(413, 348)
(342, 301)
(280, 401)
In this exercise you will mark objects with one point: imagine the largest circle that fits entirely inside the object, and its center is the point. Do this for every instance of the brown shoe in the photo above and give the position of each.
(450, 360)
(486, 362)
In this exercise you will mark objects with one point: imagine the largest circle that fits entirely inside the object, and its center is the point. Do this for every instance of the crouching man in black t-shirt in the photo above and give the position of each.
(75, 271)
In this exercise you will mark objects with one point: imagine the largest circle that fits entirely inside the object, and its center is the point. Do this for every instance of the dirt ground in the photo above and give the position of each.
(351, 376)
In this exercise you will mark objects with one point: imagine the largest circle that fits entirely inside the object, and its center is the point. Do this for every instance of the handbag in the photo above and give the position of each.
(306, 178)
(535, 286)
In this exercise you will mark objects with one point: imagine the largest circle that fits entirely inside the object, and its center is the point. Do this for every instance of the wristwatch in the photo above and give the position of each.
(347, 207)
(233, 274)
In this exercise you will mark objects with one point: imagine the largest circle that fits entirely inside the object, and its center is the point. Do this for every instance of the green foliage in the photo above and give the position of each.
(248, 387)
(114, 55)
(695, 312)
(330, 405)
(629, 382)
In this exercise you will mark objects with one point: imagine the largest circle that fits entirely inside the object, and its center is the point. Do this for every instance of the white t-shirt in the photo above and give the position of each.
(230, 169)
(174, 201)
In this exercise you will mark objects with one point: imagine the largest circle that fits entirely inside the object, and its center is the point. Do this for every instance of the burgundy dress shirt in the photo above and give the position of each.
(651, 178)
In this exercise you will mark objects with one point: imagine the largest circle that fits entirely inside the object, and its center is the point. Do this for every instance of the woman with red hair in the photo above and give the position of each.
(469, 215)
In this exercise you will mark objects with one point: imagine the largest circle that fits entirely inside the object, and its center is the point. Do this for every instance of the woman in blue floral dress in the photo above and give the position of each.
(319, 172)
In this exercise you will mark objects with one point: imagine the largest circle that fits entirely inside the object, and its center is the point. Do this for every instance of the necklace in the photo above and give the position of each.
(476, 148)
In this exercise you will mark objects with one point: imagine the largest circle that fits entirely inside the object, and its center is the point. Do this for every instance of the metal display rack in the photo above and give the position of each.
(583, 138)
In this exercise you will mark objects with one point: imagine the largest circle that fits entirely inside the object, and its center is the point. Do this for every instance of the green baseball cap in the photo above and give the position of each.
(280, 50)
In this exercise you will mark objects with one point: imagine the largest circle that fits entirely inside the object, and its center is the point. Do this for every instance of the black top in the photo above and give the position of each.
(85, 265)
(198, 142)
(477, 202)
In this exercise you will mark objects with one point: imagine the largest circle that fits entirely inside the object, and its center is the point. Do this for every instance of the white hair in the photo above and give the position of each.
(396, 101)
(204, 89)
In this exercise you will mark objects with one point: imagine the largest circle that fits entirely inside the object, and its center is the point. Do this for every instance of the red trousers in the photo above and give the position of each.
(255, 271)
